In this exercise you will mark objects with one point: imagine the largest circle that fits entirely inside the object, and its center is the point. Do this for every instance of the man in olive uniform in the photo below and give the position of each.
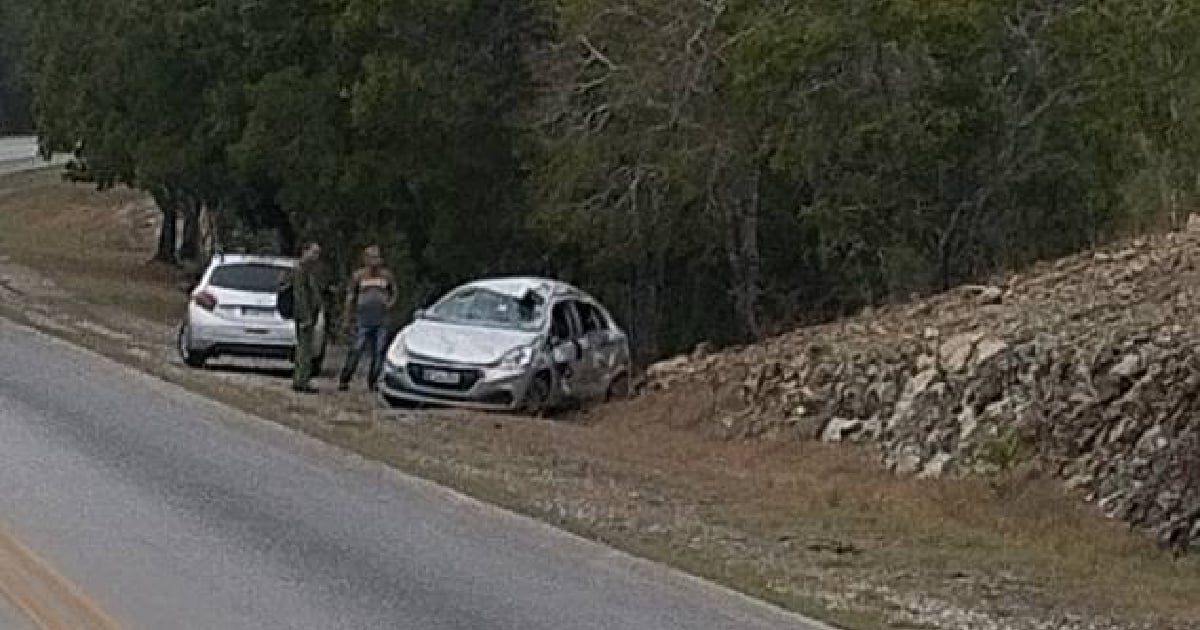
(307, 292)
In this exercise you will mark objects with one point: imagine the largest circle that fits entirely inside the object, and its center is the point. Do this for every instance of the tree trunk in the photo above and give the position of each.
(745, 260)
(286, 239)
(169, 232)
(213, 234)
(646, 307)
(648, 272)
(189, 247)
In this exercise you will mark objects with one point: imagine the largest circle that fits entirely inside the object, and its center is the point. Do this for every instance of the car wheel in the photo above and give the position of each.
(191, 358)
(541, 391)
(620, 389)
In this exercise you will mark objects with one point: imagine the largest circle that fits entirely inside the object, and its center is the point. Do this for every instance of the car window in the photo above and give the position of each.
(482, 307)
(253, 277)
(592, 318)
(562, 324)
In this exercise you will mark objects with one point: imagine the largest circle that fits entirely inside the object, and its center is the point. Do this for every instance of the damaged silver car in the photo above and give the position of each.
(509, 344)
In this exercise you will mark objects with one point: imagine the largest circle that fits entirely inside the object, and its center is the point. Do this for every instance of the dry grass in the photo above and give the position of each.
(776, 520)
(93, 244)
(1022, 525)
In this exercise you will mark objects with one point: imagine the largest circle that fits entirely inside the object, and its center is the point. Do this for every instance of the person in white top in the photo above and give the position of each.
(369, 297)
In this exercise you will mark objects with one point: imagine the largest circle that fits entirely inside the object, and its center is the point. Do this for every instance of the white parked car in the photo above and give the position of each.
(509, 344)
(232, 312)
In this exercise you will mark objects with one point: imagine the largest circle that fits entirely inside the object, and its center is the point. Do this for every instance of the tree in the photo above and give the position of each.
(117, 84)
(833, 154)
(715, 170)
(15, 21)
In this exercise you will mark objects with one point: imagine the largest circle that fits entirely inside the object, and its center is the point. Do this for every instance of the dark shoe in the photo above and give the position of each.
(343, 387)
(373, 387)
(305, 389)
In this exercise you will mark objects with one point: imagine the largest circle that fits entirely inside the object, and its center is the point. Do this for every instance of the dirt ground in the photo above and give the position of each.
(816, 528)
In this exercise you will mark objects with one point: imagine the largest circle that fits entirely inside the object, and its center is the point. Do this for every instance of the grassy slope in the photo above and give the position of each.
(787, 522)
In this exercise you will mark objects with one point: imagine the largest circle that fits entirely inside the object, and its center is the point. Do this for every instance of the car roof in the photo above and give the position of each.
(244, 259)
(518, 286)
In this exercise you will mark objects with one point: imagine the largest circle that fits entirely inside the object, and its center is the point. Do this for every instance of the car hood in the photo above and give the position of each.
(461, 344)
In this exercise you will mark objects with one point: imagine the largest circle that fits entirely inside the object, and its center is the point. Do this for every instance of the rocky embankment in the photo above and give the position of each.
(1087, 368)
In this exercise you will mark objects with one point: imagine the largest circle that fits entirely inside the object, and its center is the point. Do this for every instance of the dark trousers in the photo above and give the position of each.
(371, 339)
(304, 355)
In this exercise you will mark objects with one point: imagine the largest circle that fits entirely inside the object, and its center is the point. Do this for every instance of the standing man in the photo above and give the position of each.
(372, 292)
(307, 292)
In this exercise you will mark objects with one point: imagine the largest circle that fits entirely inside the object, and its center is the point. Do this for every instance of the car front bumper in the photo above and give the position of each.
(483, 388)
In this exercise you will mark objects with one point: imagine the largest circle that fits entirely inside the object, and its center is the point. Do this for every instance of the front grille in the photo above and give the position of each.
(466, 378)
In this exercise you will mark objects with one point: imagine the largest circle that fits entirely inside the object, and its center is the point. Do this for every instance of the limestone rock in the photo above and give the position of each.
(937, 466)
(841, 430)
(1087, 365)
(956, 352)
(990, 296)
(907, 463)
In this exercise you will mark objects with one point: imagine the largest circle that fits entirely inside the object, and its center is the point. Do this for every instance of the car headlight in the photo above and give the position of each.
(397, 357)
(517, 358)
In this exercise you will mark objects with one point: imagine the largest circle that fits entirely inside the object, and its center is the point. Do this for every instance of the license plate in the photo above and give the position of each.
(257, 331)
(441, 377)
(259, 313)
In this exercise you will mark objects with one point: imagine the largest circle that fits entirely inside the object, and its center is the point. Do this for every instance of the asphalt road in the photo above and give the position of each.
(173, 512)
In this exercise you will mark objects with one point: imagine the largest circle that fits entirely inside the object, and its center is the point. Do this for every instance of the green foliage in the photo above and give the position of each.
(713, 170)
(15, 91)
(895, 146)
(1003, 451)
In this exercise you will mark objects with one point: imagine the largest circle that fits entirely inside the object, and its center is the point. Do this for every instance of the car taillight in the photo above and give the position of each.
(205, 300)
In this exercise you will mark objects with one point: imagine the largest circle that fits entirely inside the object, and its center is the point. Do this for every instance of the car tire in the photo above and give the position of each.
(540, 393)
(191, 358)
(619, 389)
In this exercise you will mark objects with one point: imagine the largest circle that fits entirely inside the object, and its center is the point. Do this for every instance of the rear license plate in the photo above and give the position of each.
(257, 331)
(442, 377)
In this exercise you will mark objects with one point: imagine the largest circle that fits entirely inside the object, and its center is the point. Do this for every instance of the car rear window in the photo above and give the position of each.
(253, 277)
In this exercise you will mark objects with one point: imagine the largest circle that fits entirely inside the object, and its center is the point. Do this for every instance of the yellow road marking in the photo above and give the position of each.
(50, 601)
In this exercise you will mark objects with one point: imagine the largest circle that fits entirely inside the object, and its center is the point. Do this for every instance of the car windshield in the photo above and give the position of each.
(252, 277)
(474, 306)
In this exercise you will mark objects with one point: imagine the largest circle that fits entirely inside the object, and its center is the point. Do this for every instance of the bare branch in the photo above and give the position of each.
(595, 53)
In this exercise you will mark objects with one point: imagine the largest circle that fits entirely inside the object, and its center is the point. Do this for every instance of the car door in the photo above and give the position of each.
(567, 350)
(589, 343)
(603, 347)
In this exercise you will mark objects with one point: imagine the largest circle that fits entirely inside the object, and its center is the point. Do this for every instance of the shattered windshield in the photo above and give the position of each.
(474, 306)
